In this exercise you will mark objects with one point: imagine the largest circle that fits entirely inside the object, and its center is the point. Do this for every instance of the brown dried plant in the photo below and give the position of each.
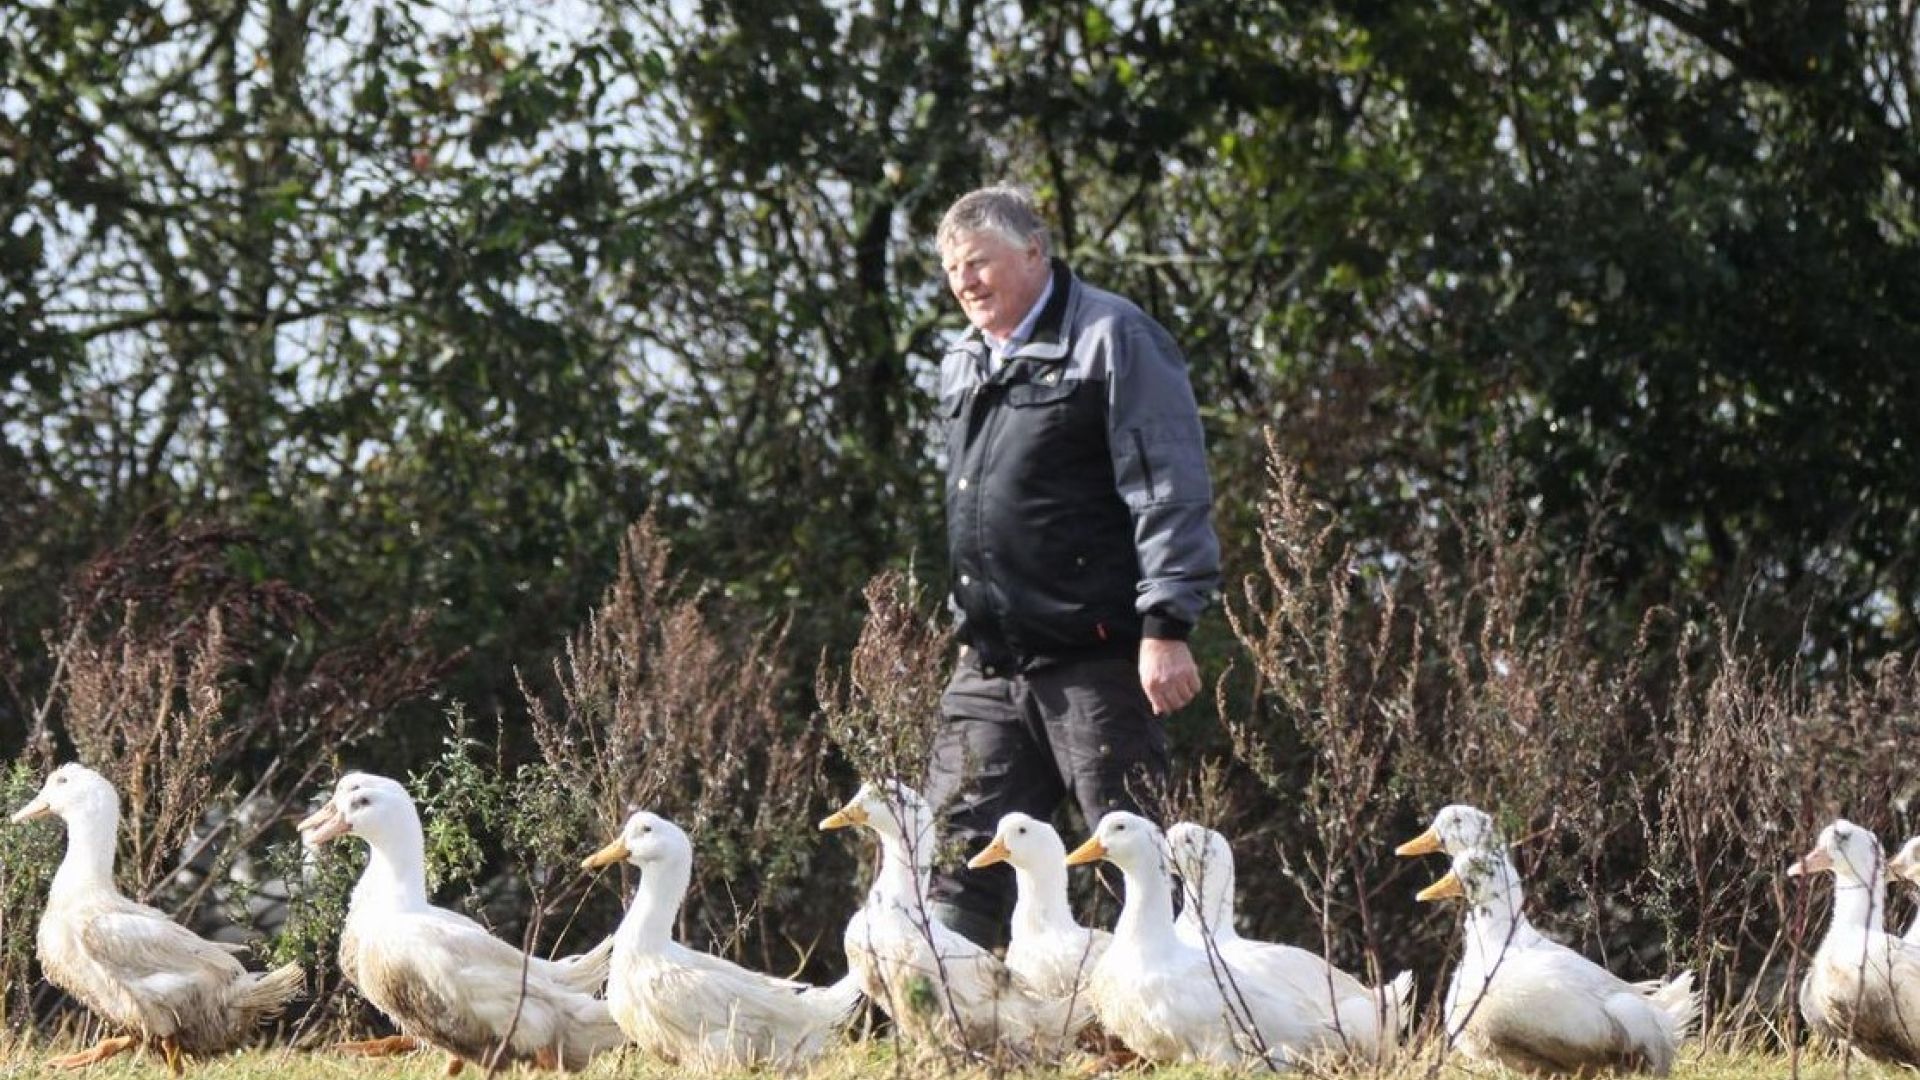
(1386, 685)
(1760, 758)
(666, 705)
(1330, 678)
(173, 669)
(148, 714)
(1655, 787)
(883, 708)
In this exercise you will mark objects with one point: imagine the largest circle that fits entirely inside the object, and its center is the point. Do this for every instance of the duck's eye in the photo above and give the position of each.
(646, 829)
(360, 803)
(1023, 830)
(59, 779)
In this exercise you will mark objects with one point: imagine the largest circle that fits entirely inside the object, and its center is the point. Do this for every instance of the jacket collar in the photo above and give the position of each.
(1048, 340)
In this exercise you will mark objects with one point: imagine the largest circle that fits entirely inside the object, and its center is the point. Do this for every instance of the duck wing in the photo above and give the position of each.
(738, 1015)
(156, 956)
(1551, 1008)
(456, 985)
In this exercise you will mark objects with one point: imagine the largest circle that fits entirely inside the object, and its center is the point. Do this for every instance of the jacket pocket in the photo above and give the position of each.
(1033, 395)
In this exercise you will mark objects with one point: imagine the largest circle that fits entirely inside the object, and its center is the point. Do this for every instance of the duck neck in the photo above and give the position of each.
(1146, 917)
(396, 873)
(88, 864)
(648, 923)
(1493, 930)
(905, 866)
(1209, 908)
(1497, 925)
(1860, 905)
(1040, 903)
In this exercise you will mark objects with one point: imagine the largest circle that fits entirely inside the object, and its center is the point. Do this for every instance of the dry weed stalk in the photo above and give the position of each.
(882, 712)
(1330, 677)
(152, 729)
(883, 709)
(1656, 787)
(1759, 759)
(665, 706)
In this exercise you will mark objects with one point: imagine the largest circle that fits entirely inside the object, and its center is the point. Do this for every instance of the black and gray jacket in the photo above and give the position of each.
(1077, 492)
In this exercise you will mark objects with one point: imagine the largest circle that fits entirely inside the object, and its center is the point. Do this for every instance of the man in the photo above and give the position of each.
(1081, 547)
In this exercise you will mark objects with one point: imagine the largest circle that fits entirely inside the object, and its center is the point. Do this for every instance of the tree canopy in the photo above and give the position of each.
(428, 302)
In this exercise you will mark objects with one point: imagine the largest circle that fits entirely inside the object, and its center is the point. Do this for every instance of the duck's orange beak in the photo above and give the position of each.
(1091, 851)
(606, 856)
(1447, 888)
(995, 852)
(1427, 843)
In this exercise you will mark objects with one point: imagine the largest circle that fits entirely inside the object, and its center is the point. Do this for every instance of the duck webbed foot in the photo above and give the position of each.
(387, 1047)
(100, 1051)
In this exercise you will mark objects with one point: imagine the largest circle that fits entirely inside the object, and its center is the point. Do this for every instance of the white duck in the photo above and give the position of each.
(1048, 949)
(1456, 828)
(1905, 866)
(1369, 1019)
(1527, 1002)
(691, 1008)
(129, 963)
(586, 972)
(936, 984)
(1863, 984)
(442, 978)
(1170, 1001)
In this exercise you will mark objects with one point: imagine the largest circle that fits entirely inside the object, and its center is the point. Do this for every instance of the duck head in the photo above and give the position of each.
(888, 807)
(374, 808)
(1128, 841)
(324, 824)
(1486, 880)
(1455, 829)
(1847, 851)
(1024, 841)
(646, 840)
(70, 791)
(1199, 854)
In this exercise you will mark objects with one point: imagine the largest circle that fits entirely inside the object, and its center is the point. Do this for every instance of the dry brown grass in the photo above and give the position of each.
(670, 702)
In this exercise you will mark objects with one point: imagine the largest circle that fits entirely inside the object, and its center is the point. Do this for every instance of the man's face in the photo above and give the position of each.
(995, 279)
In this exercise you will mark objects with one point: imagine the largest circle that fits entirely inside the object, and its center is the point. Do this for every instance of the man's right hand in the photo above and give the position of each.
(1168, 674)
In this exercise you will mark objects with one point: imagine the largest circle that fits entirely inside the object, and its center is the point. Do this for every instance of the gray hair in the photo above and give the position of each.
(1001, 209)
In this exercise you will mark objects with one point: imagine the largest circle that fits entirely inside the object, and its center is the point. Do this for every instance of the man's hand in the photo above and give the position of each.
(1168, 674)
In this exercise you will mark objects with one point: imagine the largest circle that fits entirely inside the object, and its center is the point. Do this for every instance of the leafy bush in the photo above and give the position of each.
(28, 857)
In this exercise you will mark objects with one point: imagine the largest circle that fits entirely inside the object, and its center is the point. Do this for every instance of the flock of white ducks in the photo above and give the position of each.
(934, 983)
(1863, 984)
(1172, 988)
(1522, 1000)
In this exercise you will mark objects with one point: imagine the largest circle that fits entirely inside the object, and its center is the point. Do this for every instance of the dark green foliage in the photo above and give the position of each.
(458, 795)
(436, 311)
(319, 884)
(28, 855)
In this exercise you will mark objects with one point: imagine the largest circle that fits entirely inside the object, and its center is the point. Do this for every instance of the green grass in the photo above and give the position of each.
(871, 1061)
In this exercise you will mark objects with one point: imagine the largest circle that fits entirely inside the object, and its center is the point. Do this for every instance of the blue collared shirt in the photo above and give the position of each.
(999, 349)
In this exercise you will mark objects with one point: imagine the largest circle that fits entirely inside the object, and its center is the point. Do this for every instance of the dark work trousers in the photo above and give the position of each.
(1024, 742)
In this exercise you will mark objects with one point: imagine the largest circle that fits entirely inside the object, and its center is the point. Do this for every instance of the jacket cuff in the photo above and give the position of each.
(1164, 627)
